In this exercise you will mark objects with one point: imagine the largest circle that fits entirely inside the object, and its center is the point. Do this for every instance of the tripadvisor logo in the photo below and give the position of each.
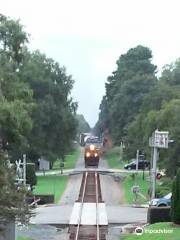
(139, 231)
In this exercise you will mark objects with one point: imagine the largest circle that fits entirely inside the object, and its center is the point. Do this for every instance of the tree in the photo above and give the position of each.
(125, 90)
(12, 39)
(175, 206)
(31, 177)
(171, 74)
(15, 116)
(37, 113)
(145, 121)
(103, 121)
(83, 125)
(166, 119)
(54, 120)
(16, 104)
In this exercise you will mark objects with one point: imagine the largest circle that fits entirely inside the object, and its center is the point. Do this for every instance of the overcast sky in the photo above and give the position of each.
(88, 36)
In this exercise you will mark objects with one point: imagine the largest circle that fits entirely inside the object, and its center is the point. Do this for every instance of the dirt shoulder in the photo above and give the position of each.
(112, 191)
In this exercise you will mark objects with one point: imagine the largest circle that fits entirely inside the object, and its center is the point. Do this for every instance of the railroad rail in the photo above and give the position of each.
(89, 220)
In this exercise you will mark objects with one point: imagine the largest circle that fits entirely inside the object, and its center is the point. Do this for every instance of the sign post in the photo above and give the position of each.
(159, 139)
(137, 160)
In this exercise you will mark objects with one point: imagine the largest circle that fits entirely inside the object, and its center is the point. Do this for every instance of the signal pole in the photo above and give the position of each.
(155, 154)
(137, 159)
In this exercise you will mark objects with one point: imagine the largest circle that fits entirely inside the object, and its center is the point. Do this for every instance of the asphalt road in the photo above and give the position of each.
(57, 214)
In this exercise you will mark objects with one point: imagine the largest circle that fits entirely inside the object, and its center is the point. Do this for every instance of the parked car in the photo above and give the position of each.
(142, 164)
(161, 202)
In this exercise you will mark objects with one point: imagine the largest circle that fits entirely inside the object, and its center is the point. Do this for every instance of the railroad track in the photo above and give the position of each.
(89, 205)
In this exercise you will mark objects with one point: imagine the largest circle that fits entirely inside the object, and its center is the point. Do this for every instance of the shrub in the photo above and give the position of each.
(175, 206)
(31, 175)
(164, 187)
(161, 191)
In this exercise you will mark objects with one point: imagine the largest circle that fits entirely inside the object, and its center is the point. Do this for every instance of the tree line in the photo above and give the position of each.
(138, 101)
(37, 112)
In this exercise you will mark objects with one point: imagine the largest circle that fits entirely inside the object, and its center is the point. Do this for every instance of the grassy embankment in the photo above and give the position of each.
(174, 233)
(113, 156)
(69, 162)
(129, 182)
(55, 184)
(51, 184)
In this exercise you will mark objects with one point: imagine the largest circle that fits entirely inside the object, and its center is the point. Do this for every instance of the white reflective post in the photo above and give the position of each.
(24, 168)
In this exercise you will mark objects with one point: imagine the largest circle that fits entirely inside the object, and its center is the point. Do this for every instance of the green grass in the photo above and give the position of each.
(70, 160)
(174, 235)
(113, 158)
(129, 182)
(52, 184)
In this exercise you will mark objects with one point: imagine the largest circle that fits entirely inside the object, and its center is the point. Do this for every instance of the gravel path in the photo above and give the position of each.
(71, 192)
(111, 191)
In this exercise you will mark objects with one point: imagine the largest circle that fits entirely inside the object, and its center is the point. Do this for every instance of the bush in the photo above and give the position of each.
(158, 214)
(164, 188)
(31, 174)
(175, 206)
(161, 191)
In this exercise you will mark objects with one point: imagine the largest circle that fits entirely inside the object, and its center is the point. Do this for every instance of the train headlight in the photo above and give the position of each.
(95, 154)
(87, 154)
(92, 147)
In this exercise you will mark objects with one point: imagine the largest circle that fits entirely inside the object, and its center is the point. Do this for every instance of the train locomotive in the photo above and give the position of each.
(91, 156)
(92, 152)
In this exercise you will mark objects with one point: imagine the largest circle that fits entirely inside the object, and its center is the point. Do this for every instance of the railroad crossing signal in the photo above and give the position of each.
(21, 170)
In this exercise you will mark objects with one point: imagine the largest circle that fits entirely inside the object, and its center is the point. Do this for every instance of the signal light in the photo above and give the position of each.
(87, 154)
(158, 176)
(92, 147)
